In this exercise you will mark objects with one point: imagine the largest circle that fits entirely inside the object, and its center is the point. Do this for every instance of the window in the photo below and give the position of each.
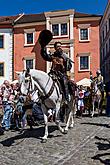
(55, 29)
(84, 63)
(84, 34)
(60, 29)
(29, 36)
(109, 44)
(1, 69)
(29, 64)
(106, 48)
(109, 23)
(103, 54)
(103, 35)
(106, 28)
(1, 41)
(64, 29)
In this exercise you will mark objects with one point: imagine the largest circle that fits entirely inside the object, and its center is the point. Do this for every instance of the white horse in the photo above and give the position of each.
(96, 97)
(49, 95)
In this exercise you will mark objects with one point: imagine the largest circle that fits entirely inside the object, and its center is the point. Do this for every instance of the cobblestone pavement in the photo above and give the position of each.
(88, 143)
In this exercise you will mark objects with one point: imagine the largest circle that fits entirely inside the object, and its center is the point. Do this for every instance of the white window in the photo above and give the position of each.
(84, 62)
(29, 37)
(109, 44)
(29, 63)
(109, 23)
(1, 41)
(2, 69)
(60, 29)
(84, 34)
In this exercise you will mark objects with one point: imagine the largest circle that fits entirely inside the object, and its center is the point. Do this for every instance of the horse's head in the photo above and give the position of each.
(25, 81)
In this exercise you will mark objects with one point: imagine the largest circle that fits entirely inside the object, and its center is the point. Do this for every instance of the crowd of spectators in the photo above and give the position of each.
(9, 93)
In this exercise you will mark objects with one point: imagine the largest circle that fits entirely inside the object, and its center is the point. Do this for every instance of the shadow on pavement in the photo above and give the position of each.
(97, 124)
(27, 133)
(102, 146)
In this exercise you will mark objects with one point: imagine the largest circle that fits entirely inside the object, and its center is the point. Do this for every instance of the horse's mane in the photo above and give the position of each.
(36, 72)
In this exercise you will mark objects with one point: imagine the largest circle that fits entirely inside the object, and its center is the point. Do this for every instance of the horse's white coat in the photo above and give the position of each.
(42, 82)
(96, 98)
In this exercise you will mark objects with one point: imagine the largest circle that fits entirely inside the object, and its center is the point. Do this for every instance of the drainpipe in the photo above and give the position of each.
(13, 53)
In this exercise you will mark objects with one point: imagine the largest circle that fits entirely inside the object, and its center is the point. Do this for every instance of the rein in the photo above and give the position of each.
(46, 96)
(43, 98)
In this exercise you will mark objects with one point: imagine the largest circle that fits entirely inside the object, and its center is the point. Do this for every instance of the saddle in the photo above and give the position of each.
(56, 78)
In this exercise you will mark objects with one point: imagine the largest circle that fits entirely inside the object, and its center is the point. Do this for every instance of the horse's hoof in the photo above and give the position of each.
(44, 141)
(71, 126)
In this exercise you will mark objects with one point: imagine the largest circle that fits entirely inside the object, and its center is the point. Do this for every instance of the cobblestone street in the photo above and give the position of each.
(87, 143)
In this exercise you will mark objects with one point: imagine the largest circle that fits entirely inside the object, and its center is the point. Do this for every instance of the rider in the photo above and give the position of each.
(99, 81)
(60, 65)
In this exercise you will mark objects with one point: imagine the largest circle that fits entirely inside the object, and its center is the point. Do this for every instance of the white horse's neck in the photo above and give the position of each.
(41, 79)
(38, 74)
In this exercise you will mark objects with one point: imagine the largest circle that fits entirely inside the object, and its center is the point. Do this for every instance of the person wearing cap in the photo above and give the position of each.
(61, 64)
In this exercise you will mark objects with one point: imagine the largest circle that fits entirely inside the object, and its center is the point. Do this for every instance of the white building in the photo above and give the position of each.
(6, 55)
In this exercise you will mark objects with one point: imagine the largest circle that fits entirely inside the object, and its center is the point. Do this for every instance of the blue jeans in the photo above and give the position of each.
(6, 121)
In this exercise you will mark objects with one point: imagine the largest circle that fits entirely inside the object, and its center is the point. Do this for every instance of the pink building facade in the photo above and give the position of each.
(78, 33)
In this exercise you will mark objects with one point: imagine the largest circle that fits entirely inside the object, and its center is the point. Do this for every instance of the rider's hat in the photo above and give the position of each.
(45, 37)
(98, 72)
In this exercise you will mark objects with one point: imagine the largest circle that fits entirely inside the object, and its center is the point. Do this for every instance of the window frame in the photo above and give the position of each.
(3, 41)
(26, 32)
(59, 29)
(3, 69)
(88, 31)
(29, 59)
(84, 55)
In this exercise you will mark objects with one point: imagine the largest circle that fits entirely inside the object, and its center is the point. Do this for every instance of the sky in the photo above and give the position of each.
(14, 7)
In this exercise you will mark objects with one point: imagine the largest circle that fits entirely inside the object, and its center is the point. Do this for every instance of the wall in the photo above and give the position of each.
(91, 47)
(6, 55)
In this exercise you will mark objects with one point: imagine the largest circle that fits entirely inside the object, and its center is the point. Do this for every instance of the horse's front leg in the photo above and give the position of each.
(73, 112)
(44, 138)
(57, 119)
(70, 118)
(99, 101)
(93, 104)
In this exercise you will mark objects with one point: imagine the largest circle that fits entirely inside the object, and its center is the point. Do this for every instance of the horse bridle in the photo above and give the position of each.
(42, 97)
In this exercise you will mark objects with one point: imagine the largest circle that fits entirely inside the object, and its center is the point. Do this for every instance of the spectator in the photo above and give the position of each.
(7, 105)
(80, 101)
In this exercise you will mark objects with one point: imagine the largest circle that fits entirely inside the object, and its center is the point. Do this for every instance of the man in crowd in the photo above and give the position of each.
(7, 104)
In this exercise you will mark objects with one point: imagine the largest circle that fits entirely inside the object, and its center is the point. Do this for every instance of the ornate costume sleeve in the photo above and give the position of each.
(69, 64)
(45, 56)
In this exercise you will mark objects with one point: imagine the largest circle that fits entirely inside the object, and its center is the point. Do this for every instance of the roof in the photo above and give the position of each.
(8, 19)
(82, 15)
(31, 18)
